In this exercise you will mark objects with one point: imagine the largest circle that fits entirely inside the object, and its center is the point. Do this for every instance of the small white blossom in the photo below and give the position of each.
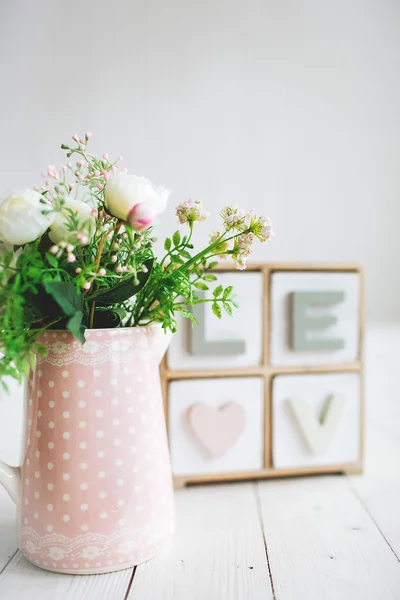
(191, 211)
(233, 217)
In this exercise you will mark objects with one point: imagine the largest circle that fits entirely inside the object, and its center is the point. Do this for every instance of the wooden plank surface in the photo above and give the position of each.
(218, 553)
(23, 581)
(379, 488)
(323, 544)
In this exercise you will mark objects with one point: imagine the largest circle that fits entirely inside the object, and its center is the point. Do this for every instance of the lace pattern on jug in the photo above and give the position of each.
(93, 549)
(115, 345)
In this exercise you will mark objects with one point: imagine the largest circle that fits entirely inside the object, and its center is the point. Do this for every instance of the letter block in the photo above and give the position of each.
(277, 390)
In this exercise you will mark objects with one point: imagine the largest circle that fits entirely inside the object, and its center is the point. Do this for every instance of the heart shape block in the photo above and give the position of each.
(216, 429)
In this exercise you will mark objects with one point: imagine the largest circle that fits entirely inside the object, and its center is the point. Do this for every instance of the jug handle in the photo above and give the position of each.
(10, 479)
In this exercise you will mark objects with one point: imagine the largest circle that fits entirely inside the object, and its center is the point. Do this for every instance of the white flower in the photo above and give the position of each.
(191, 211)
(260, 226)
(22, 219)
(135, 199)
(234, 217)
(91, 552)
(242, 249)
(62, 228)
(56, 553)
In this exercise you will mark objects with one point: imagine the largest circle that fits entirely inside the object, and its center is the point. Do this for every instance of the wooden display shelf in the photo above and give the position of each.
(268, 372)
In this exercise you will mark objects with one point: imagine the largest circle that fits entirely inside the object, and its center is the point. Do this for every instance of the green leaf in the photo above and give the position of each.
(66, 296)
(228, 292)
(74, 325)
(187, 314)
(185, 254)
(228, 308)
(210, 277)
(32, 360)
(234, 301)
(218, 291)
(201, 286)
(177, 259)
(217, 310)
(176, 238)
(40, 349)
(212, 265)
(167, 244)
(53, 262)
(125, 289)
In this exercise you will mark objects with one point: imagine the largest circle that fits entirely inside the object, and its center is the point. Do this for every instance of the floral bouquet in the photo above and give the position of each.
(77, 253)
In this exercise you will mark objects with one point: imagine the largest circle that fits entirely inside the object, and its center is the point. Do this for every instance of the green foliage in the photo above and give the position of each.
(125, 288)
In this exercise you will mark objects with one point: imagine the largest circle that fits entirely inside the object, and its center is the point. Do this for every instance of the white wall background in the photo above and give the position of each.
(288, 106)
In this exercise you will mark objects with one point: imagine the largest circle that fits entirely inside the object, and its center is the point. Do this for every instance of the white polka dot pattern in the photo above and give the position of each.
(97, 483)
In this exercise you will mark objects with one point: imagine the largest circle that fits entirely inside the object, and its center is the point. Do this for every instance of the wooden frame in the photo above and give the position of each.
(268, 372)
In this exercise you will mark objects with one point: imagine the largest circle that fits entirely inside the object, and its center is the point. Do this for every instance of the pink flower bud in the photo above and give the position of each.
(100, 186)
(81, 147)
(78, 270)
(63, 168)
(94, 212)
(119, 269)
(120, 158)
(140, 217)
(70, 248)
(113, 169)
(80, 178)
(102, 272)
(105, 156)
(62, 244)
(88, 135)
(36, 188)
(71, 258)
(54, 249)
(96, 173)
(81, 163)
(105, 176)
(86, 286)
(114, 258)
(75, 138)
(70, 186)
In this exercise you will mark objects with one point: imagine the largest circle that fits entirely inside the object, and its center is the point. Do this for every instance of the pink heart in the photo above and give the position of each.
(217, 429)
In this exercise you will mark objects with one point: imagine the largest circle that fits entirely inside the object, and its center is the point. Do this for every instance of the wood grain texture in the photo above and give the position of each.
(323, 544)
(23, 581)
(218, 553)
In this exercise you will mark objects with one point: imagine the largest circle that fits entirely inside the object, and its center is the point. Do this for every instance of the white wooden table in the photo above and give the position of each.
(298, 539)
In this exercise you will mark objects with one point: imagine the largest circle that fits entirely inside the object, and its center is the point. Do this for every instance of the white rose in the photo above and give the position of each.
(22, 219)
(60, 229)
(135, 199)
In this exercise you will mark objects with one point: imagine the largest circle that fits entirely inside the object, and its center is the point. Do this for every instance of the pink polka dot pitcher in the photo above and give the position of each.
(94, 493)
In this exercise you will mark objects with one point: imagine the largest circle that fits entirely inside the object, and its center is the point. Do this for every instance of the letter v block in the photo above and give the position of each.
(318, 432)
